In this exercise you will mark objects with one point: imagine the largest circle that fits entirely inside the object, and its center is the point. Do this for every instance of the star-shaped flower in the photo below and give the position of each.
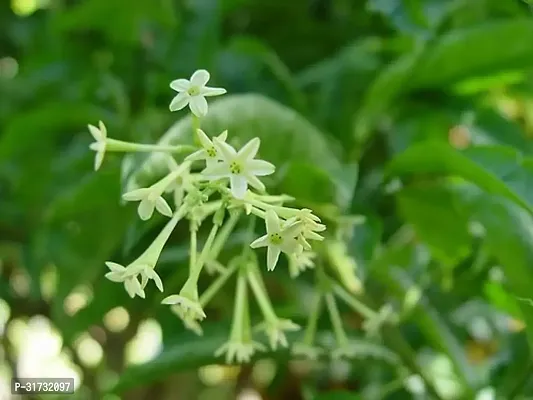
(239, 350)
(129, 275)
(275, 330)
(100, 135)
(240, 167)
(193, 93)
(209, 152)
(278, 239)
(150, 199)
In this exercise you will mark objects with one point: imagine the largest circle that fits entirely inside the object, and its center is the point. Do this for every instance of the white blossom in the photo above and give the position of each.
(190, 307)
(208, 152)
(129, 276)
(100, 135)
(193, 93)
(239, 350)
(278, 238)
(150, 199)
(240, 167)
(274, 329)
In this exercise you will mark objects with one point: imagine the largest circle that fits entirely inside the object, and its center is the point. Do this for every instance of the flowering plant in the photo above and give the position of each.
(216, 183)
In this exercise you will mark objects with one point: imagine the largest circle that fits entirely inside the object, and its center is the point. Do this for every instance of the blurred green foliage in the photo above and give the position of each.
(417, 114)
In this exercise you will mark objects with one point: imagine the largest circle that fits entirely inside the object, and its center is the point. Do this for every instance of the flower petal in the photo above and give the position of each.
(98, 160)
(272, 222)
(292, 230)
(250, 149)
(173, 299)
(223, 136)
(136, 195)
(291, 246)
(180, 85)
(209, 91)
(227, 151)
(180, 101)
(157, 280)
(204, 139)
(198, 105)
(260, 167)
(162, 207)
(216, 171)
(200, 77)
(145, 209)
(103, 129)
(238, 185)
(114, 267)
(197, 155)
(273, 253)
(255, 182)
(115, 276)
(130, 289)
(260, 242)
(97, 134)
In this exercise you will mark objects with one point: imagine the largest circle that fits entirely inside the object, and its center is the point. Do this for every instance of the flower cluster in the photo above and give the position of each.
(217, 181)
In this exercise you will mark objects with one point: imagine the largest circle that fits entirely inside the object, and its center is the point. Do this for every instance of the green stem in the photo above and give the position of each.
(224, 235)
(240, 302)
(261, 295)
(119, 146)
(159, 187)
(354, 303)
(152, 253)
(335, 317)
(213, 289)
(197, 268)
(193, 250)
(310, 330)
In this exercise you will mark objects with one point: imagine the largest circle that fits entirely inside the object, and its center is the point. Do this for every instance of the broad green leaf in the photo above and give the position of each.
(509, 237)
(425, 316)
(466, 53)
(498, 170)
(287, 138)
(438, 220)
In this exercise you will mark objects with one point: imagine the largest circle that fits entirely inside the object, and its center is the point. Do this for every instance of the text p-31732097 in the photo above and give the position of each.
(42, 385)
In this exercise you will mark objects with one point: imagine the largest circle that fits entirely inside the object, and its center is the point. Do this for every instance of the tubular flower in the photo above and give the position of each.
(129, 275)
(193, 93)
(278, 239)
(100, 135)
(209, 152)
(240, 167)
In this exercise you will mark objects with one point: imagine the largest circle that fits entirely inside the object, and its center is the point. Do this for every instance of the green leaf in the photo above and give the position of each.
(337, 395)
(498, 170)
(426, 317)
(514, 248)
(439, 221)
(287, 139)
(466, 53)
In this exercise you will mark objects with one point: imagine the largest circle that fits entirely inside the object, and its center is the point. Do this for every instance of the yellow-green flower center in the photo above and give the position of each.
(194, 91)
(211, 152)
(275, 238)
(235, 167)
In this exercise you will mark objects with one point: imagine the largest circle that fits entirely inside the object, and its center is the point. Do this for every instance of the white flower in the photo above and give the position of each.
(100, 135)
(189, 322)
(129, 275)
(275, 328)
(278, 239)
(241, 351)
(193, 93)
(240, 167)
(300, 262)
(190, 307)
(150, 199)
(209, 152)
